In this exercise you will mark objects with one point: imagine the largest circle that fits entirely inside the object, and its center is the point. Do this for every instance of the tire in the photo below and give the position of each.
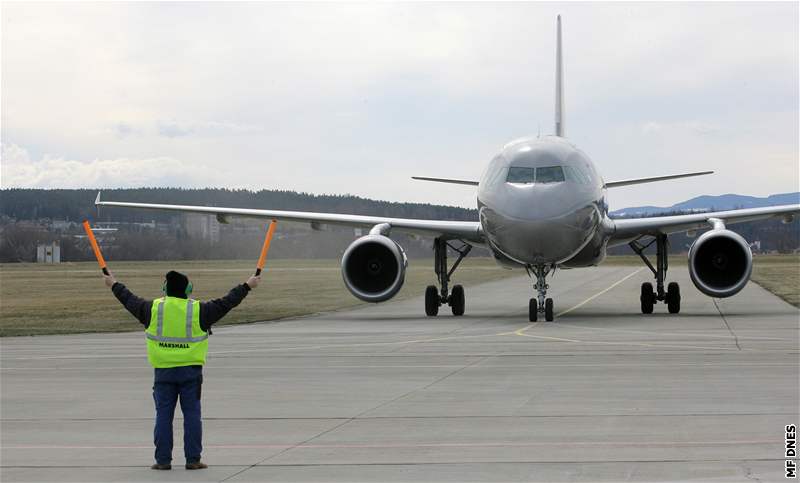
(431, 301)
(457, 300)
(548, 310)
(647, 298)
(533, 310)
(673, 298)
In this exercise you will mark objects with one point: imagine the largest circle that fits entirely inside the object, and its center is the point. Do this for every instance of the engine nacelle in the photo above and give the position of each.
(374, 268)
(720, 263)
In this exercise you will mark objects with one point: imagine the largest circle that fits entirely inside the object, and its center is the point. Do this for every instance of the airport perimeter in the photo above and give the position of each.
(382, 393)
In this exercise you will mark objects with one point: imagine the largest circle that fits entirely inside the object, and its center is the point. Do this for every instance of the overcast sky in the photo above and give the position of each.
(356, 98)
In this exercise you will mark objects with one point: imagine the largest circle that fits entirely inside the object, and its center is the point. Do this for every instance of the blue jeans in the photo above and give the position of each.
(184, 382)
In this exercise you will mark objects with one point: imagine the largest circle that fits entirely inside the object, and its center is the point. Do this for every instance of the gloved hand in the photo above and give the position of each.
(109, 279)
(253, 281)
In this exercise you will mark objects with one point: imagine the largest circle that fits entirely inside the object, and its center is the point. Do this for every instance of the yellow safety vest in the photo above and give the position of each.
(174, 336)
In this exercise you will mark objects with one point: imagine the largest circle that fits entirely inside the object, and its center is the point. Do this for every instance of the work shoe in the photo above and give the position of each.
(161, 467)
(196, 466)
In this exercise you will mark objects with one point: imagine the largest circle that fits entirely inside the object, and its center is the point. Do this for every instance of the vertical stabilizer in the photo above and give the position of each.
(559, 84)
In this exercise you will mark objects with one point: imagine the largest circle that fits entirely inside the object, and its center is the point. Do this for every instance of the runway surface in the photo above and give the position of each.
(383, 393)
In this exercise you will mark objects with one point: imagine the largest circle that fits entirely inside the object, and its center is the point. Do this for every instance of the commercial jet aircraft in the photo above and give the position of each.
(542, 206)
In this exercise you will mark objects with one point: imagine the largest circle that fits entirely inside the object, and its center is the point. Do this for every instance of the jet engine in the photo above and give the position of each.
(374, 268)
(720, 263)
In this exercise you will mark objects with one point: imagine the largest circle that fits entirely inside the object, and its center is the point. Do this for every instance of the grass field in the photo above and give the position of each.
(780, 274)
(71, 297)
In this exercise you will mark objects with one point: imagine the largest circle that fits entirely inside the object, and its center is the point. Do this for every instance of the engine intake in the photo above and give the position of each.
(374, 268)
(720, 263)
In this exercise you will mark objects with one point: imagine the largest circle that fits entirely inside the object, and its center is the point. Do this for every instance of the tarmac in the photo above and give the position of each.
(383, 393)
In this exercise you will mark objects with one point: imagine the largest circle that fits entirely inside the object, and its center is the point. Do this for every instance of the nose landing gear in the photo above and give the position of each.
(455, 298)
(541, 304)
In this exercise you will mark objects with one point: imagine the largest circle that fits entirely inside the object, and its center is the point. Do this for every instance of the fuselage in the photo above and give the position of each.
(541, 201)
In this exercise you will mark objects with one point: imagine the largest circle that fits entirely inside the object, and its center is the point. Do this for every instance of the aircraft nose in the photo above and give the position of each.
(545, 229)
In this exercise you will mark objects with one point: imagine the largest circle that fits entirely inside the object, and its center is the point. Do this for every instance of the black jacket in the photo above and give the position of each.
(210, 312)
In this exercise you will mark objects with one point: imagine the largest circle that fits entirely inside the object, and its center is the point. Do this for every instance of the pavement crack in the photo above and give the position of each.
(748, 473)
(725, 320)
(358, 416)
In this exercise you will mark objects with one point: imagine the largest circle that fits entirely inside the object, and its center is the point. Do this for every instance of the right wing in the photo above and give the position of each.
(469, 231)
(446, 180)
(627, 229)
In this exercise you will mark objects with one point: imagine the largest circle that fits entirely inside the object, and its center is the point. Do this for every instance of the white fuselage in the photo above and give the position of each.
(542, 202)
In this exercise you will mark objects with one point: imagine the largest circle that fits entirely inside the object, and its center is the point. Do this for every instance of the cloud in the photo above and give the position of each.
(345, 97)
(18, 170)
(174, 129)
(692, 127)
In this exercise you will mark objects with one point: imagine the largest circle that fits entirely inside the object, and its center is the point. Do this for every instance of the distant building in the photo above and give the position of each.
(48, 252)
(205, 227)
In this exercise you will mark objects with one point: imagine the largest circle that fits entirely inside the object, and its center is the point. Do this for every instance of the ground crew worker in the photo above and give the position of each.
(176, 330)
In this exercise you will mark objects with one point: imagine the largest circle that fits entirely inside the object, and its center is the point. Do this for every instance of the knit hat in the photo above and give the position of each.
(176, 284)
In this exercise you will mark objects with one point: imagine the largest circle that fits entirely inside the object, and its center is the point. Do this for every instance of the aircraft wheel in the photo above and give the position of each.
(431, 301)
(533, 310)
(457, 300)
(548, 310)
(647, 298)
(673, 298)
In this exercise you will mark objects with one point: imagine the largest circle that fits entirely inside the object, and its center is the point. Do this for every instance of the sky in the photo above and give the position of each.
(358, 97)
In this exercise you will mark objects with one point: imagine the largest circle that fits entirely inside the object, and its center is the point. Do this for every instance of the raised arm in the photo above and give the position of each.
(137, 306)
(213, 310)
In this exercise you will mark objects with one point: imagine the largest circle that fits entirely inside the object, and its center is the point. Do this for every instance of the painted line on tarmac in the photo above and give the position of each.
(408, 366)
(647, 332)
(598, 293)
(275, 349)
(522, 330)
(637, 344)
(418, 445)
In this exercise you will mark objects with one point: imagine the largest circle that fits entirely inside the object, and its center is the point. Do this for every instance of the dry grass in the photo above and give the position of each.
(71, 297)
(780, 274)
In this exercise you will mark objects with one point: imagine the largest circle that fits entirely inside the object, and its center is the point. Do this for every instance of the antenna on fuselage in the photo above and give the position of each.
(559, 84)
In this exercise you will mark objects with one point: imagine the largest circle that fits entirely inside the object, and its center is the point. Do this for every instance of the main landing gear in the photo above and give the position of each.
(541, 305)
(455, 298)
(648, 298)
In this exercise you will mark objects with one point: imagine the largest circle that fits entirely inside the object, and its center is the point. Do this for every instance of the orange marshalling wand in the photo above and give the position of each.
(265, 248)
(100, 260)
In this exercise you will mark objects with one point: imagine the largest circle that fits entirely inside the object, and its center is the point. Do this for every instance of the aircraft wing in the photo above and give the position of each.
(627, 229)
(468, 231)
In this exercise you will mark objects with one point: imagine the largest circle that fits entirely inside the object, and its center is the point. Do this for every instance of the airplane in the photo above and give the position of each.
(542, 206)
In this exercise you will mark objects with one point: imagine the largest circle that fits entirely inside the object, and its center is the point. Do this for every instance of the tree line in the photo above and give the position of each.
(27, 219)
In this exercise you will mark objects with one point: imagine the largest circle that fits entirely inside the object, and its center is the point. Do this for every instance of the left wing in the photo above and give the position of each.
(626, 229)
(469, 231)
(628, 182)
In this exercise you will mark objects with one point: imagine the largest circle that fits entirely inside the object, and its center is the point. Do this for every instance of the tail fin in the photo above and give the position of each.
(559, 84)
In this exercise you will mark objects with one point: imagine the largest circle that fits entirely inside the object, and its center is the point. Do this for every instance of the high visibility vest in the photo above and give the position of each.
(174, 336)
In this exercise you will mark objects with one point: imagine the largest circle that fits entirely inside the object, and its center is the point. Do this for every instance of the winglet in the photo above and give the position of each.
(559, 83)
(97, 200)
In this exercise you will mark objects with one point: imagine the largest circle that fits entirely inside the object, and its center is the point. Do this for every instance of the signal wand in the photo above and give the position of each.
(265, 248)
(100, 260)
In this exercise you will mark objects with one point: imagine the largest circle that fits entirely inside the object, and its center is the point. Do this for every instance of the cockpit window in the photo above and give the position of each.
(520, 175)
(577, 174)
(549, 174)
